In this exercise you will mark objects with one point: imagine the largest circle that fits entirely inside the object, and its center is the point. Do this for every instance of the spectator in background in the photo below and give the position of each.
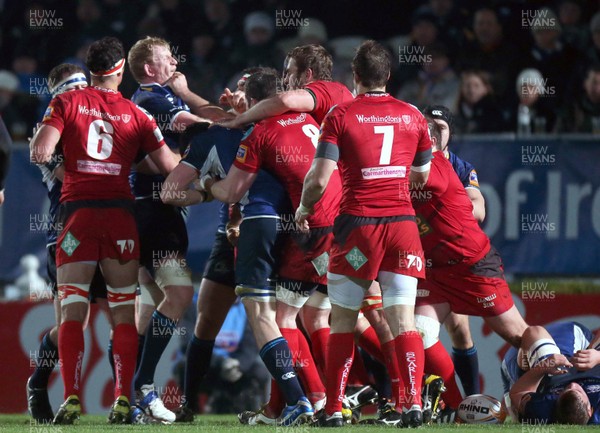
(31, 82)
(583, 115)
(124, 15)
(533, 97)
(491, 52)
(179, 19)
(91, 22)
(590, 57)
(423, 33)
(452, 21)
(221, 24)
(203, 72)
(477, 110)
(259, 47)
(314, 33)
(554, 59)
(574, 31)
(18, 117)
(436, 82)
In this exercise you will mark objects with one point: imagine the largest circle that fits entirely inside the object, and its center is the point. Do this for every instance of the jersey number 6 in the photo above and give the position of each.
(100, 142)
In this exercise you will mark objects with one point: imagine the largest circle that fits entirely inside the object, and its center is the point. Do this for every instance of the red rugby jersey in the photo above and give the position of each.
(101, 134)
(284, 145)
(449, 232)
(377, 137)
(326, 95)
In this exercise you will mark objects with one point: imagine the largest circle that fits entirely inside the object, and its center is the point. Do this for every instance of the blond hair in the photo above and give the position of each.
(141, 53)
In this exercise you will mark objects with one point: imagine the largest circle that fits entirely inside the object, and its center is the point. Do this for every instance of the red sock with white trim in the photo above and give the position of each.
(339, 362)
(125, 347)
(71, 349)
(409, 348)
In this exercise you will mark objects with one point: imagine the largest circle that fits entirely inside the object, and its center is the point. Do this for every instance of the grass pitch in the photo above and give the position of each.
(230, 424)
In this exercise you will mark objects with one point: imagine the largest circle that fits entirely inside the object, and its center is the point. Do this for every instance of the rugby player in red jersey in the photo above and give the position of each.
(464, 273)
(101, 133)
(284, 145)
(379, 143)
(307, 77)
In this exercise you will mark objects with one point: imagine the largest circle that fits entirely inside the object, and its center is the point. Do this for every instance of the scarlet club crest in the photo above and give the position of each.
(126, 118)
(406, 118)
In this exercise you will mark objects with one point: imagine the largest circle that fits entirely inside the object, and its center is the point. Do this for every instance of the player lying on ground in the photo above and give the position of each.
(555, 376)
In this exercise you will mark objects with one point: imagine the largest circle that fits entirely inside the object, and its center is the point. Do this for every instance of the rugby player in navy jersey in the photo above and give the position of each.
(464, 351)
(555, 376)
(164, 278)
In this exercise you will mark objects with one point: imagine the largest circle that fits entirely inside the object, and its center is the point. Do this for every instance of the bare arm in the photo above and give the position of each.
(315, 183)
(295, 100)
(175, 189)
(43, 143)
(164, 159)
(478, 203)
(147, 166)
(233, 187)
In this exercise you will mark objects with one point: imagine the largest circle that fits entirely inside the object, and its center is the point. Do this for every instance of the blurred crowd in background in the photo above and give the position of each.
(501, 66)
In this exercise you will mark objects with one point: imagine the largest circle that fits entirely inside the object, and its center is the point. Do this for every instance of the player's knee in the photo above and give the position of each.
(397, 289)
(291, 297)
(318, 301)
(540, 350)
(461, 337)
(429, 329)
(120, 296)
(71, 293)
(174, 272)
(344, 292)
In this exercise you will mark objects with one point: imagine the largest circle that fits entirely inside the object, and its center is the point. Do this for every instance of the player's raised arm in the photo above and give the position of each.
(199, 106)
(295, 100)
